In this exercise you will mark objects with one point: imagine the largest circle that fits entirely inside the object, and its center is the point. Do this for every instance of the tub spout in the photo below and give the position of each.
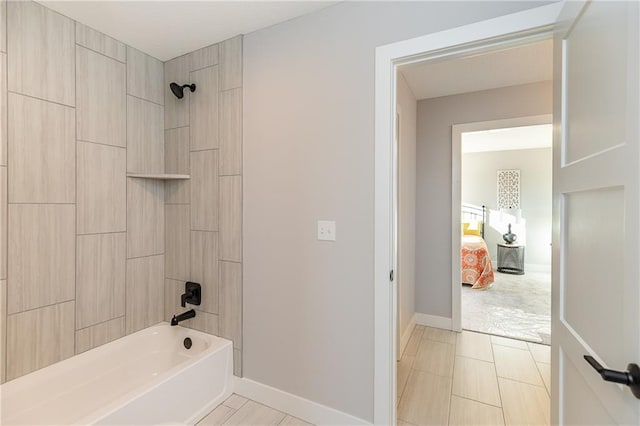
(183, 316)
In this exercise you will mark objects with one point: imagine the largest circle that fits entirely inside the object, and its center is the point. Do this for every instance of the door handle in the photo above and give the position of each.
(631, 377)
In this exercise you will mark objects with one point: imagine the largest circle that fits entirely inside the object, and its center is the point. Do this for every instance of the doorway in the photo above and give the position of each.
(498, 33)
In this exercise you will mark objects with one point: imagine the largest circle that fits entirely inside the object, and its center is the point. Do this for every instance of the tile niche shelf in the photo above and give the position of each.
(158, 176)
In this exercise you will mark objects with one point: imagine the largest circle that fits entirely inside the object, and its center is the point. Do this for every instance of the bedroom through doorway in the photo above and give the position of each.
(506, 184)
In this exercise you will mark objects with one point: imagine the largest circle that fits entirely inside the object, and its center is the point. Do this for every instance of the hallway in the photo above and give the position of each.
(468, 378)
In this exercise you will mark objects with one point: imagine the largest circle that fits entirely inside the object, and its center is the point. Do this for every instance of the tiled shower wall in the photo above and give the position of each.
(82, 262)
(203, 138)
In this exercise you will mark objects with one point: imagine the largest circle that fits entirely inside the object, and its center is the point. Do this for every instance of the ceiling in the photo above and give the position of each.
(166, 29)
(512, 138)
(509, 67)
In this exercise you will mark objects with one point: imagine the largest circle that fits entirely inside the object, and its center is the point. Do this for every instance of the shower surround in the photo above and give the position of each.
(87, 254)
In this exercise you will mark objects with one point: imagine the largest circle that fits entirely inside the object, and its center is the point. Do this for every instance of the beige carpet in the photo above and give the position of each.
(516, 306)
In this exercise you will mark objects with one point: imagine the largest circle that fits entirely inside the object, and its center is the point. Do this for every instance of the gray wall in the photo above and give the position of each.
(406, 276)
(203, 138)
(308, 155)
(85, 243)
(435, 117)
(479, 182)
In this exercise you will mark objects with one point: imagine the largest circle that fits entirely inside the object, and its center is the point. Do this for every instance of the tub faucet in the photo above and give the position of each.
(183, 316)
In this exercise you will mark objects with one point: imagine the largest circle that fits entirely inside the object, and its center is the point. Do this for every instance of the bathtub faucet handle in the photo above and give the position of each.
(192, 294)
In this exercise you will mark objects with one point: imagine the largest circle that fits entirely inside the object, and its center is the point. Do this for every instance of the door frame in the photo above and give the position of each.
(518, 28)
(456, 196)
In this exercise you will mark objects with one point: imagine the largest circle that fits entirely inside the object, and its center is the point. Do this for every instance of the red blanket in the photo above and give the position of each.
(476, 263)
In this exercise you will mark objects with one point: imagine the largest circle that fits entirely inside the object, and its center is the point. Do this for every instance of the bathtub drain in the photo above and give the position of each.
(188, 343)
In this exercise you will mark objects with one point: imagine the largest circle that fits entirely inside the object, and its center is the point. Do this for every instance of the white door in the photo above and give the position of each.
(596, 272)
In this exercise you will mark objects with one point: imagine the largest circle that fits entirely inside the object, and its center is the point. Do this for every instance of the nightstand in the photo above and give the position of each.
(511, 258)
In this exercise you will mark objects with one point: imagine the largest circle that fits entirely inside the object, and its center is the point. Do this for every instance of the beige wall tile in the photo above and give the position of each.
(173, 289)
(145, 217)
(99, 334)
(95, 40)
(231, 63)
(203, 58)
(203, 321)
(425, 400)
(253, 413)
(204, 190)
(101, 102)
(176, 150)
(38, 338)
(145, 136)
(101, 188)
(176, 111)
(42, 53)
(204, 268)
(231, 132)
(176, 160)
(231, 302)
(177, 244)
(477, 380)
(3, 330)
(3, 26)
(145, 292)
(3, 107)
(100, 288)
(465, 412)
(3, 223)
(41, 255)
(203, 109)
(145, 76)
(42, 151)
(231, 218)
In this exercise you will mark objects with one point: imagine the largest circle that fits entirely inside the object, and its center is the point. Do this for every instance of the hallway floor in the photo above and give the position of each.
(468, 378)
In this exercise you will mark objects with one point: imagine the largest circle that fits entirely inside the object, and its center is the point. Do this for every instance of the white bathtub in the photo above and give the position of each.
(146, 378)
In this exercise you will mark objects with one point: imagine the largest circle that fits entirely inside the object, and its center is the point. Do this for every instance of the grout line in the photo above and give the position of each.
(102, 144)
(40, 204)
(146, 100)
(99, 323)
(101, 53)
(39, 99)
(101, 233)
(40, 307)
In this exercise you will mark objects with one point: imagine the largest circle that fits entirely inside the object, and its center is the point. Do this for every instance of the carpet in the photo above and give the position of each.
(516, 306)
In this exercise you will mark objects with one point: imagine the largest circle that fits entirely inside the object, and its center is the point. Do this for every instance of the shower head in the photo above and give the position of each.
(179, 90)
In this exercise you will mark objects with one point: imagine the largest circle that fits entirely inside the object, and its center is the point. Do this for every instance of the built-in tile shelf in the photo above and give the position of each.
(159, 176)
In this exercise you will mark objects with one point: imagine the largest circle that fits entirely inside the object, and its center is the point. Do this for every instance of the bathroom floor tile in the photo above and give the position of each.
(253, 413)
(517, 364)
(426, 399)
(465, 412)
(435, 357)
(477, 380)
(217, 416)
(235, 401)
(474, 345)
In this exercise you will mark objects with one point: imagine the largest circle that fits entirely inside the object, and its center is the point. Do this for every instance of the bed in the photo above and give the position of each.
(477, 269)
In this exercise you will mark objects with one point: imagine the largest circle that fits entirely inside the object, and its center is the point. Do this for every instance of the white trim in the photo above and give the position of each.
(292, 404)
(434, 321)
(506, 30)
(456, 196)
(406, 335)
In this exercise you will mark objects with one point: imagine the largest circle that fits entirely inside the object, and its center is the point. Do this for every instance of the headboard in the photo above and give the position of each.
(471, 213)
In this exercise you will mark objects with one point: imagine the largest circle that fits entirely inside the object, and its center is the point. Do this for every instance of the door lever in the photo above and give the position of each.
(630, 378)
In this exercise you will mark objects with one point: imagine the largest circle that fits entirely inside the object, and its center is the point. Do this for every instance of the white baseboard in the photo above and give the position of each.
(434, 321)
(302, 408)
(406, 334)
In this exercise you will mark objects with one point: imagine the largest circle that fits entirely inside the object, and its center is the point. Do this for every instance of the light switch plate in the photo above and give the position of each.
(326, 230)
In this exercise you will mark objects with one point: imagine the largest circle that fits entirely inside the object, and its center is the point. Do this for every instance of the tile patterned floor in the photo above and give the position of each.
(468, 378)
(237, 410)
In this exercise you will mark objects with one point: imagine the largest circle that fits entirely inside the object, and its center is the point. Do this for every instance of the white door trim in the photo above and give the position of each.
(524, 26)
(456, 196)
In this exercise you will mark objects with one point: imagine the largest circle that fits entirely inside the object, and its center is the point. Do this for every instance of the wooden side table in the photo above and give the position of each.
(511, 258)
